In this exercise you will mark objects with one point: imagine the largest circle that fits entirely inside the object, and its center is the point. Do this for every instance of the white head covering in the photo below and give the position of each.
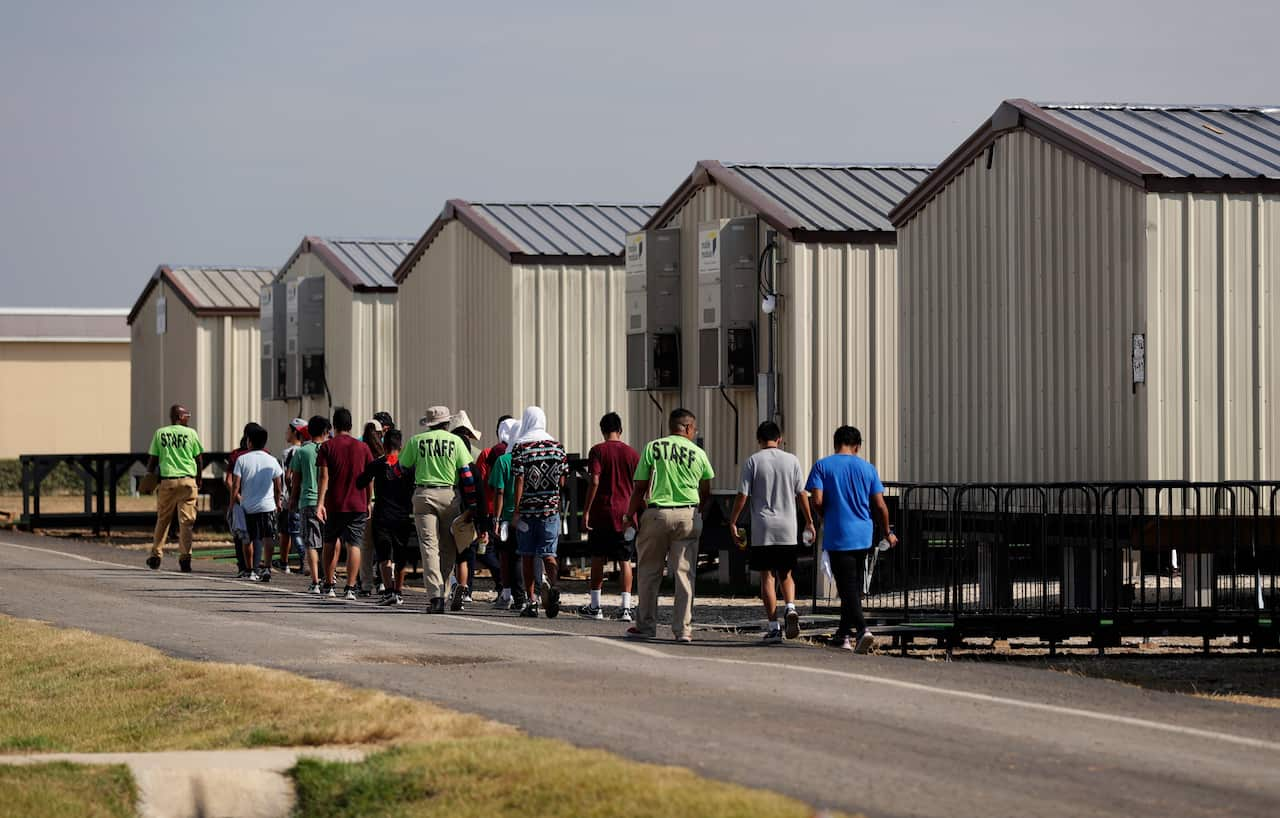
(533, 426)
(507, 431)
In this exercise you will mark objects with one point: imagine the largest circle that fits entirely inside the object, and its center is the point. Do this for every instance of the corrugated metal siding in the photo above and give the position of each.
(552, 229)
(146, 376)
(835, 197)
(839, 349)
(1185, 140)
(455, 338)
(569, 357)
(1214, 290)
(1021, 285)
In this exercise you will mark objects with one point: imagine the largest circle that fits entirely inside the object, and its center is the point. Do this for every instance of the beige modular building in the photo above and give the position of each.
(346, 355)
(833, 275)
(506, 305)
(194, 341)
(1093, 293)
(65, 373)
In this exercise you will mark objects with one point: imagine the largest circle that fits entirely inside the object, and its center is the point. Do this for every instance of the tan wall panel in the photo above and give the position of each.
(1021, 284)
(65, 398)
(1211, 348)
(146, 376)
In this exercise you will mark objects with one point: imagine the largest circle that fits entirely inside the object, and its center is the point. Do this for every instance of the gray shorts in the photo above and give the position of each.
(311, 532)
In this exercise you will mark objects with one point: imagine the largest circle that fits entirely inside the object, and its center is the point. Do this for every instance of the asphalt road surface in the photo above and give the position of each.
(879, 734)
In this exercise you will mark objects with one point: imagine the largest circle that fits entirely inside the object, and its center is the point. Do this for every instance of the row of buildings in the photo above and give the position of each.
(1077, 292)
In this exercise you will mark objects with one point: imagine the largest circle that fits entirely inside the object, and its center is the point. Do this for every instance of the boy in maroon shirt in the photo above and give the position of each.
(343, 506)
(612, 465)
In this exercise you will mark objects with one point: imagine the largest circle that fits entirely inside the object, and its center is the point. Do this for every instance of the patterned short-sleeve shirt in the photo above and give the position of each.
(542, 464)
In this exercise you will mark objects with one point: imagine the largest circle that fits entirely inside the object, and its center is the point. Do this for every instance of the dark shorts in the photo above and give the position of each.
(347, 526)
(610, 544)
(289, 522)
(311, 530)
(394, 541)
(776, 558)
(260, 527)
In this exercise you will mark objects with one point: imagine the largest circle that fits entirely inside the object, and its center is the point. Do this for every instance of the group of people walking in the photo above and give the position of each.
(453, 507)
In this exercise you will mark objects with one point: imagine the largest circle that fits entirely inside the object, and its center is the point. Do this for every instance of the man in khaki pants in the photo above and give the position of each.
(175, 459)
(441, 465)
(676, 476)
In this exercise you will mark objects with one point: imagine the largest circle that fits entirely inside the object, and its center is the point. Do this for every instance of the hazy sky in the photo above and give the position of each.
(140, 133)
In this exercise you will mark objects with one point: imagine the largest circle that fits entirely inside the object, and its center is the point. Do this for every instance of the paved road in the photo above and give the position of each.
(880, 734)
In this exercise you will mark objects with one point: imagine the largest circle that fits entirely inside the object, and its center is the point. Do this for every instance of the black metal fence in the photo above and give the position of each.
(1104, 559)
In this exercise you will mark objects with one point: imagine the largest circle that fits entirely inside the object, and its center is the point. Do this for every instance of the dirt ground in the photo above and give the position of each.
(70, 504)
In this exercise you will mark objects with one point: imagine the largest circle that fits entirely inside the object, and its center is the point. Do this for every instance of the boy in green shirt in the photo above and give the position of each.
(304, 496)
(676, 476)
(504, 504)
(175, 458)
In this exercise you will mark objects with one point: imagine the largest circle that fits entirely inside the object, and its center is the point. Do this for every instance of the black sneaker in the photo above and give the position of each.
(529, 611)
(184, 565)
(153, 563)
(459, 596)
(279, 566)
(436, 606)
(264, 576)
(590, 612)
(551, 601)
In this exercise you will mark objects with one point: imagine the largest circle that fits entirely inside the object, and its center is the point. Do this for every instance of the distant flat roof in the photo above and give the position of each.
(64, 324)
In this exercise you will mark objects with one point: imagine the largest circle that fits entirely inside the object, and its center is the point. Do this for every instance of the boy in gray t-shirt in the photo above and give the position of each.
(773, 482)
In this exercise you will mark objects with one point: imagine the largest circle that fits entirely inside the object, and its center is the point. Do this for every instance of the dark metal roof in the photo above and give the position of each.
(808, 203)
(540, 232)
(553, 229)
(363, 265)
(211, 290)
(53, 324)
(1211, 148)
(1184, 140)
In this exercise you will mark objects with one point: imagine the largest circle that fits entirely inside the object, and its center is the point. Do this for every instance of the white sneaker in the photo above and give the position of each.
(254, 576)
(626, 615)
(772, 636)
(866, 642)
(793, 624)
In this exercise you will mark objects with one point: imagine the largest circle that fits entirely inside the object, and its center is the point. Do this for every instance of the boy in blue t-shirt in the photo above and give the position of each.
(846, 490)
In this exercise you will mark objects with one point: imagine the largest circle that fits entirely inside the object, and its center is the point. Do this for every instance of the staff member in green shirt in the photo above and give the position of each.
(441, 465)
(175, 458)
(676, 475)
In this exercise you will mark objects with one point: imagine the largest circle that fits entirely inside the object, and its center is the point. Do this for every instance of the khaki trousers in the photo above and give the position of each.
(665, 539)
(434, 509)
(175, 496)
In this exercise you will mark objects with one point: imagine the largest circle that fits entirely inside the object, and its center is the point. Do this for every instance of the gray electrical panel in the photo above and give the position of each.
(272, 321)
(653, 309)
(728, 300)
(304, 342)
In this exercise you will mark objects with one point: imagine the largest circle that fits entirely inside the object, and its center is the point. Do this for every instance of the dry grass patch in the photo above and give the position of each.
(67, 791)
(74, 691)
(500, 778)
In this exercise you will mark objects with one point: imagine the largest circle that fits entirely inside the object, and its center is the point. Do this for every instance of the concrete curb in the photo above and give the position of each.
(207, 783)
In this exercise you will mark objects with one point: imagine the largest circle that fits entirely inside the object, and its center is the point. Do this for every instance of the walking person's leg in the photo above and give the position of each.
(652, 543)
(166, 505)
(684, 565)
(792, 616)
(450, 508)
(426, 520)
(769, 596)
(188, 494)
(847, 567)
(551, 568)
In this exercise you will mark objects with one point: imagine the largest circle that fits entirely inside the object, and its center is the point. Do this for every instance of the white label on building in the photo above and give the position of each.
(162, 307)
(635, 254)
(1139, 357)
(708, 254)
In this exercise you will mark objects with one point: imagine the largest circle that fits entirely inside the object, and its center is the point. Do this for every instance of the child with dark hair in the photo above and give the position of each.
(392, 517)
(256, 487)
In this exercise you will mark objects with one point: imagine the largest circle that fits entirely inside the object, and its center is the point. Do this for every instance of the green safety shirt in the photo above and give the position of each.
(304, 463)
(176, 447)
(436, 458)
(675, 467)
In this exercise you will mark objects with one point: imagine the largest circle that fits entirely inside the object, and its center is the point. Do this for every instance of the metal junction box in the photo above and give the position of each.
(653, 309)
(304, 343)
(728, 300)
(273, 320)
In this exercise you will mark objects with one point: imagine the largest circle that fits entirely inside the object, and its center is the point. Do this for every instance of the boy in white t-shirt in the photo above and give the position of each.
(256, 484)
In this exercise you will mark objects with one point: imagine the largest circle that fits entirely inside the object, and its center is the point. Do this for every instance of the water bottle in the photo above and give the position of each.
(883, 545)
(630, 534)
(504, 530)
(807, 536)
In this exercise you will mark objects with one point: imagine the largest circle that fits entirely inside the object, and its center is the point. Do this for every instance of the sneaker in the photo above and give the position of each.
(626, 615)
(329, 591)
(503, 602)
(153, 563)
(381, 589)
(842, 643)
(436, 606)
(184, 565)
(551, 601)
(279, 566)
(313, 588)
(529, 611)
(457, 597)
(363, 591)
(398, 598)
(793, 624)
(254, 576)
(588, 612)
(265, 576)
(635, 633)
(684, 639)
(518, 600)
(866, 642)
(242, 575)
(773, 637)
(466, 597)
(387, 599)
(349, 592)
